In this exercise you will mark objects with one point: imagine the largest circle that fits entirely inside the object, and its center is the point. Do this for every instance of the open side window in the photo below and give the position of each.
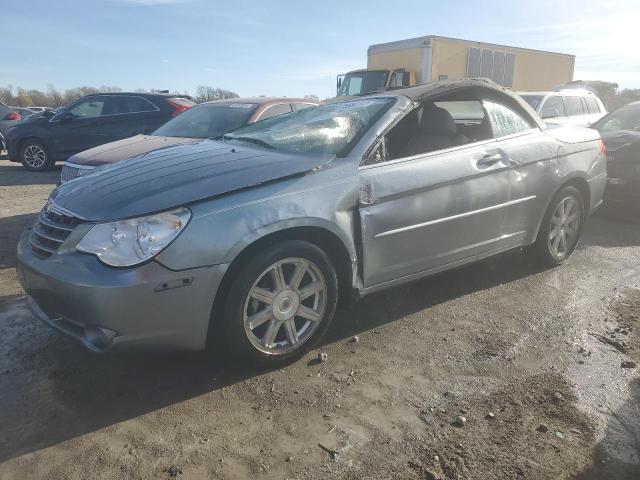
(435, 124)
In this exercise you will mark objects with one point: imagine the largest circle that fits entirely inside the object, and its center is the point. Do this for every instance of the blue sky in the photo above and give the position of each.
(287, 47)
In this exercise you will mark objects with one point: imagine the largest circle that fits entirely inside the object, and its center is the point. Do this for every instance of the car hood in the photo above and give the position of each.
(616, 139)
(175, 176)
(41, 116)
(126, 148)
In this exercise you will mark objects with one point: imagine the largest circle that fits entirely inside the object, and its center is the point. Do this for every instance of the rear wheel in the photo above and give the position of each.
(35, 156)
(561, 227)
(280, 304)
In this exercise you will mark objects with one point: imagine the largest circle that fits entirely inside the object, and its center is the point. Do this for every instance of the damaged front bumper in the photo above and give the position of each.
(104, 308)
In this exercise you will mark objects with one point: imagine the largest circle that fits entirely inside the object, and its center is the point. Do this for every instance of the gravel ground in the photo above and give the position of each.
(539, 362)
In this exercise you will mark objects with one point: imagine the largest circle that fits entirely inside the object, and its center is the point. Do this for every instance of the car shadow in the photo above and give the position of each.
(86, 392)
(604, 231)
(623, 428)
(15, 175)
(621, 211)
(10, 230)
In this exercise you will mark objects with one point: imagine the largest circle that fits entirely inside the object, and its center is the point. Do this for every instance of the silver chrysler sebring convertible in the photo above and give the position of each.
(252, 240)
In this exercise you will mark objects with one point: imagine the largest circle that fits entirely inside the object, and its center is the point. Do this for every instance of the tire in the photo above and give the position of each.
(265, 290)
(35, 156)
(555, 248)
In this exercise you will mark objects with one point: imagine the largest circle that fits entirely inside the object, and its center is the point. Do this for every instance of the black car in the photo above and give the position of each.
(47, 137)
(620, 131)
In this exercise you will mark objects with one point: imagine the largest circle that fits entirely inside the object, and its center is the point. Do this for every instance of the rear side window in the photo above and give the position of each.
(553, 107)
(574, 106)
(504, 120)
(275, 110)
(592, 105)
(301, 106)
(132, 105)
(463, 111)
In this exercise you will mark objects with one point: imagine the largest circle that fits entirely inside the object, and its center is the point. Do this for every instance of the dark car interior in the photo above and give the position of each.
(445, 122)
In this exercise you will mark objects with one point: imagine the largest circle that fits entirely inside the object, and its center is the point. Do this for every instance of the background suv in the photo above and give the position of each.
(88, 122)
(566, 107)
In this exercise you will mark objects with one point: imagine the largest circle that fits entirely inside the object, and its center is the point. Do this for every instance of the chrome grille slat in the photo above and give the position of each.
(50, 230)
(38, 244)
(37, 229)
(69, 173)
(46, 222)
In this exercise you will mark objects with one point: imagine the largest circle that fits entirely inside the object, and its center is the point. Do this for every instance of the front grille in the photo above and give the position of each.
(50, 230)
(69, 173)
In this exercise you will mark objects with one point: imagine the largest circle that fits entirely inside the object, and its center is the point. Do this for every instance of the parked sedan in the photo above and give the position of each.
(207, 120)
(250, 242)
(620, 131)
(93, 120)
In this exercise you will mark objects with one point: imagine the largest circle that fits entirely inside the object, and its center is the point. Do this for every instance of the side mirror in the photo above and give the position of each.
(554, 114)
(66, 116)
(339, 82)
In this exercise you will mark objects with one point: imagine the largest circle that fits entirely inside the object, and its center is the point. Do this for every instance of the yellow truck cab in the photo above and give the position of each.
(362, 82)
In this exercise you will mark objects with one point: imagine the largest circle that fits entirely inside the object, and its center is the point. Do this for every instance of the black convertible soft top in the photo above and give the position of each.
(425, 91)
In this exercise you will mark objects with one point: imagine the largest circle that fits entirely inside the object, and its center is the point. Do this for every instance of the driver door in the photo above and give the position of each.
(429, 211)
(82, 131)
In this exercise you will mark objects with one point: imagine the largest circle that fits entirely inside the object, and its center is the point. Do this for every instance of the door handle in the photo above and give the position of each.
(489, 159)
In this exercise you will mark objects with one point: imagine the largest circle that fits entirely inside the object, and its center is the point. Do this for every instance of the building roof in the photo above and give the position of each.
(418, 42)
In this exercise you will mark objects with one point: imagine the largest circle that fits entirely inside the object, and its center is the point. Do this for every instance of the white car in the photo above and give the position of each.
(566, 107)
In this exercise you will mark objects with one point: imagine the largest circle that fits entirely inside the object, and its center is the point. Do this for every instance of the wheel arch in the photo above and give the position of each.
(39, 138)
(326, 238)
(578, 182)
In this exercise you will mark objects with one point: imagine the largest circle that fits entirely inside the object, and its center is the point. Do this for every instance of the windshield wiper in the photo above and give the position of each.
(255, 141)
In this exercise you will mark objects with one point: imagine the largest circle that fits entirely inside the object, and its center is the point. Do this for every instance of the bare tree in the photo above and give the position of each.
(206, 93)
(22, 97)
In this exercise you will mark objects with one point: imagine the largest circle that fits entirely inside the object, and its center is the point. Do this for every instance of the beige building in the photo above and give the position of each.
(433, 58)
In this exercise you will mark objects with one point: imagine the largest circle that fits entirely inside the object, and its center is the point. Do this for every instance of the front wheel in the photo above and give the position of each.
(561, 227)
(35, 156)
(280, 304)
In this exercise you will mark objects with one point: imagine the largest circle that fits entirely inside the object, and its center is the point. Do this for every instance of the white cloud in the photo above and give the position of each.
(603, 43)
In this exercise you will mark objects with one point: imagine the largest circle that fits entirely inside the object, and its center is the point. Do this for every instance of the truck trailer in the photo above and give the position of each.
(430, 58)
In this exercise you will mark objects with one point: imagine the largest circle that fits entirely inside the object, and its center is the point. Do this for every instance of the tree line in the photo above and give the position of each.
(609, 92)
(52, 97)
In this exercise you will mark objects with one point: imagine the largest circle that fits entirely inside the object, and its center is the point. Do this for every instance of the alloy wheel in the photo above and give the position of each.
(285, 306)
(565, 227)
(35, 156)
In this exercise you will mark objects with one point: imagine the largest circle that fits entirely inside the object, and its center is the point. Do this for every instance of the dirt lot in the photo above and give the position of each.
(532, 358)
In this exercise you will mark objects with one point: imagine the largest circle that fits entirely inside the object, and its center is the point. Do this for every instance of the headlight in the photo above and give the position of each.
(129, 242)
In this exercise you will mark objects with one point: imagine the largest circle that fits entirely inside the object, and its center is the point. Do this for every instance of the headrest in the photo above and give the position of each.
(438, 121)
